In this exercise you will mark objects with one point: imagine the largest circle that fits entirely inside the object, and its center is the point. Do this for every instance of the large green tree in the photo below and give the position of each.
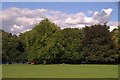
(40, 41)
(71, 41)
(98, 45)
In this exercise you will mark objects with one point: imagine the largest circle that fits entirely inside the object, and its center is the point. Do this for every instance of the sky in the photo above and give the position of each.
(18, 17)
(60, 0)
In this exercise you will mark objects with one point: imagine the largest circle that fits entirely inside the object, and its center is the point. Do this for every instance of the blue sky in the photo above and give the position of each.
(19, 17)
(60, 1)
(67, 7)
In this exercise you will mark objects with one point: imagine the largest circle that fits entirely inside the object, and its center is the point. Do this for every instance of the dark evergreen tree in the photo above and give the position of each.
(98, 45)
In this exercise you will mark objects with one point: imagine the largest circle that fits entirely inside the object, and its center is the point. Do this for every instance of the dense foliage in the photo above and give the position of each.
(46, 43)
(99, 45)
(11, 48)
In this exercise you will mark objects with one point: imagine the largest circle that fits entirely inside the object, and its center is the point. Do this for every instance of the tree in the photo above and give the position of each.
(48, 44)
(119, 42)
(71, 41)
(11, 48)
(119, 36)
(98, 45)
(116, 38)
(40, 41)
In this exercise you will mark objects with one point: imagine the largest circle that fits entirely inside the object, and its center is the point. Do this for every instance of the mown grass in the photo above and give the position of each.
(59, 71)
(0, 71)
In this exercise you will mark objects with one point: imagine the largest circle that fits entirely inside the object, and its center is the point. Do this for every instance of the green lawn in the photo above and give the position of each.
(59, 71)
(0, 71)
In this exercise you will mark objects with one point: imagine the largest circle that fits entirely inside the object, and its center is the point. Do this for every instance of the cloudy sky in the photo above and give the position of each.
(18, 17)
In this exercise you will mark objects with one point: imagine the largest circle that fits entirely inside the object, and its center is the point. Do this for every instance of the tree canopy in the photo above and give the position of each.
(48, 44)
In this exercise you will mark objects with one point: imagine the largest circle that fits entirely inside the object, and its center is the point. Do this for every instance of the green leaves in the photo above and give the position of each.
(98, 42)
(47, 43)
(41, 40)
(11, 47)
(71, 40)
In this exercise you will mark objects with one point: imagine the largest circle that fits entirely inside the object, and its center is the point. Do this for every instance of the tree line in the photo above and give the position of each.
(46, 43)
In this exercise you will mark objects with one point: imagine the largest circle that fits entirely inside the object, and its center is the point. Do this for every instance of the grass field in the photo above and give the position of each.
(59, 71)
(0, 71)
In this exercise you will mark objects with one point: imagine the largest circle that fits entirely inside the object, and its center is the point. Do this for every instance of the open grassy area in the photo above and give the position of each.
(59, 71)
(0, 71)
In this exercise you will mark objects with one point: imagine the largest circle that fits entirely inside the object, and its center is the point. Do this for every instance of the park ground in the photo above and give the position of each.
(59, 71)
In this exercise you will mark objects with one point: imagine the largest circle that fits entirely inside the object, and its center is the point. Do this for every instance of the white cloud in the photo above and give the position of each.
(80, 26)
(18, 20)
(113, 25)
(90, 20)
(17, 27)
(108, 11)
(103, 16)
(90, 12)
(28, 21)
(77, 18)
(12, 29)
